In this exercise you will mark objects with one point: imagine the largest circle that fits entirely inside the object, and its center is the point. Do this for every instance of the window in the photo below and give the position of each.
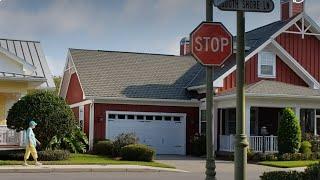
(131, 117)
(203, 122)
(149, 118)
(158, 118)
(139, 117)
(112, 116)
(167, 118)
(177, 119)
(266, 65)
(121, 116)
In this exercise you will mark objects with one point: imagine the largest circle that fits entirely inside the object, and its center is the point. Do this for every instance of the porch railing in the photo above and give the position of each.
(255, 143)
(9, 137)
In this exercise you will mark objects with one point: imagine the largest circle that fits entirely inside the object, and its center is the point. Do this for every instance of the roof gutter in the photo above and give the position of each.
(145, 101)
(283, 96)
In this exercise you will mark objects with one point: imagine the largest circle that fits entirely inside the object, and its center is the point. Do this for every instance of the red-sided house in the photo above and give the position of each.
(161, 97)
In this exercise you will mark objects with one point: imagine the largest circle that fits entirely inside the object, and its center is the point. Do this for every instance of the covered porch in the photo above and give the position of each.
(264, 103)
(12, 88)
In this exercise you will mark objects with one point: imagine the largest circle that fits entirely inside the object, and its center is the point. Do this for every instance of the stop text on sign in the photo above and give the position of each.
(211, 43)
(214, 44)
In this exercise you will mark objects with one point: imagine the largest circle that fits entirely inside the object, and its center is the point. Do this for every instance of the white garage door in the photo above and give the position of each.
(164, 132)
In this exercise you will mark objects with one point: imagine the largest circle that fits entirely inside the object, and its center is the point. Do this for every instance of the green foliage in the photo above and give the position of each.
(282, 175)
(121, 141)
(103, 148)
(57, 81)
(137, 152)
(310, 173)
(75, 142)
(289, 132)
(314, 140)
(306, 147)
(198, 145)
(53, 115)
(48, 155)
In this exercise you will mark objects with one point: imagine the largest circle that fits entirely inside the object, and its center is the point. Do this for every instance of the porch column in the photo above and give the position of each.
(215, 125)
(297, 112)
(248, 108)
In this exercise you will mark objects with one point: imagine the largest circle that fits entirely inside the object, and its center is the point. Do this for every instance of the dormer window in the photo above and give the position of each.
(266, 65)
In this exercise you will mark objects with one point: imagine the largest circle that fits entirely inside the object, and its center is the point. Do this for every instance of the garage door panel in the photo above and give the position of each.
(165, 136)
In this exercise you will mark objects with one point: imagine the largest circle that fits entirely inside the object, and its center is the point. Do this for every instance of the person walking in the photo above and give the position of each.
(31, 143)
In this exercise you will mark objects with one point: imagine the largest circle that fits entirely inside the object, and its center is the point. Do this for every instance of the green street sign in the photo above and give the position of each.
(264, 6)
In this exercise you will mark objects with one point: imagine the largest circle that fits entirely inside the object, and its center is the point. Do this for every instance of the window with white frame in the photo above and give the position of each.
(203, 122)
(81, 117)
(266, 65)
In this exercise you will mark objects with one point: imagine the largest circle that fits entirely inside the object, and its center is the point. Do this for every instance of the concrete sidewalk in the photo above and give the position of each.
(82, 168)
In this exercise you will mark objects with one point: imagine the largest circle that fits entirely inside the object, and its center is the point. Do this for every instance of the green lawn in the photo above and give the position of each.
(78, 159)
(288, 164)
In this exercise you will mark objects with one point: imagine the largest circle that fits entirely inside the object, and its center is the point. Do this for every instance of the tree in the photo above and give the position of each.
(57, 81)
(51, 113)
(289, 132)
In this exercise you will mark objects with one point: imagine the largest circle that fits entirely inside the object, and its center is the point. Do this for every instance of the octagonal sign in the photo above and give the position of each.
(211, 43)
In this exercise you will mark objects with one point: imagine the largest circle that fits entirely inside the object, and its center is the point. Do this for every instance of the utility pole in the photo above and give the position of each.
(210, 164)
(241, 143)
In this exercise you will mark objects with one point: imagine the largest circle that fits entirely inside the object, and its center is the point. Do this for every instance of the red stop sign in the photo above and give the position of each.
(211, 43)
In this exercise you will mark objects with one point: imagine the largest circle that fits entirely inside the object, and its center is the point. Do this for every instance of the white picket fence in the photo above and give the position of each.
(255, 143)
(9, 137)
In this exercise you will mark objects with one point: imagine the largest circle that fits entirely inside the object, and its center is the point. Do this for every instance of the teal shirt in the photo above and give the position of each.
(31, 138)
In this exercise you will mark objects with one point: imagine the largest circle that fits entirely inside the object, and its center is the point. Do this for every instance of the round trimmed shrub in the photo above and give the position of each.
(121, 141)
(137, 152)
(306, 147)
(289, 132)
(50, 112)
(103, 148)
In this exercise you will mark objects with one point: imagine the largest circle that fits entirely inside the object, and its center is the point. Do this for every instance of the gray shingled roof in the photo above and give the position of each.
(276, 88)
(254, 39)
(134, 75)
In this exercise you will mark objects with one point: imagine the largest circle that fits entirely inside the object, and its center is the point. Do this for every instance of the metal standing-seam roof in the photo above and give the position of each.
(30, 52)
(134, 75)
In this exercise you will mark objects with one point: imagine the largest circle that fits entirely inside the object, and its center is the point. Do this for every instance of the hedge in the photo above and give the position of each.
(310, 173)
(48, 155)
(103, 148)
(137, 152)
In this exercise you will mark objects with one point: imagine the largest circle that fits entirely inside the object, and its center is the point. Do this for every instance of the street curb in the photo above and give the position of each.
(66, 169)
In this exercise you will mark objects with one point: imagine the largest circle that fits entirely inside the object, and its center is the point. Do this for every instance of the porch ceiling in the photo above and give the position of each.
(267, 88)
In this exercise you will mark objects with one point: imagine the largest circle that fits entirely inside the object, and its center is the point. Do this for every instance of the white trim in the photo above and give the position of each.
(273, 64)
(17, 59)
(81, 103)
(81, 116)
(287, 26)
(183, 115)
(295, 66)
(145, 101)
(91, 126)
(219, 80)
(73, 65)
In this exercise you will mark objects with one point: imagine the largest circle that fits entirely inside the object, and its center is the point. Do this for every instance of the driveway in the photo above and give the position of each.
(224, 169)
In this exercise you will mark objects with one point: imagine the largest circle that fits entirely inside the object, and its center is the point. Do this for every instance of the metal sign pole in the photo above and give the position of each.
(241, 138)
(210, 164)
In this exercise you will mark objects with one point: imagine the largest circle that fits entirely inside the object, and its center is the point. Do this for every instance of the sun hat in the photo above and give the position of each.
(32, 123)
